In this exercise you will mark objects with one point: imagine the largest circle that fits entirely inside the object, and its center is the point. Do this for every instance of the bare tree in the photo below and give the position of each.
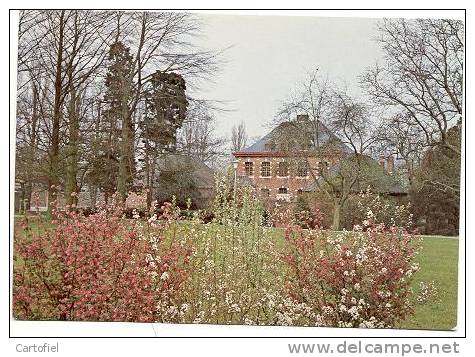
(238, 137)
(28, 127)
(332, 132)
(422, 75)
(64, 48)
(313, 99)
(64, 120)
(353, 122)
(420, 87)
(401, 139)
(197, 136)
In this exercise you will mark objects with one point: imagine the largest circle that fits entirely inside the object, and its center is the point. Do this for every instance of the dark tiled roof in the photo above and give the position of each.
(304, 128)
(260, 144)
(203, 175)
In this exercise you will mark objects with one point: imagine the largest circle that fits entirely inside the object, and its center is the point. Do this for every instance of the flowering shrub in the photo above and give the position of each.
(306, 216)
(135, 205)
(136, 201)
(381, 210)
(95, 268)
(350, 279)
(234, 278)
(283, 214)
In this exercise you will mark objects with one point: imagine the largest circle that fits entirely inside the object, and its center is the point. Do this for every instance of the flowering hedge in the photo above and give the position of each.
(387, 210)
(95, 268)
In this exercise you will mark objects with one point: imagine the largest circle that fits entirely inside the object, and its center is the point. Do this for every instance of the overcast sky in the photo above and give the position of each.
(272, 54)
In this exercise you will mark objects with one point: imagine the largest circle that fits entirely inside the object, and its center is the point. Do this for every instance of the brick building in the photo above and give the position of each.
(283, 164)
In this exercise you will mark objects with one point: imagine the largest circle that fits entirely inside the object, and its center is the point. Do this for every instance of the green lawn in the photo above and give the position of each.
(439, 262)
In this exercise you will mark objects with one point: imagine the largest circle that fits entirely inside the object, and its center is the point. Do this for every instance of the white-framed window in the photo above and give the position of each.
(302, 168)
(265, 169)
(283, 190)
(249, 168)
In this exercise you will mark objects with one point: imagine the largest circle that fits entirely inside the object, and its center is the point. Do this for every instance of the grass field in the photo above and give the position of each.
(439, 262)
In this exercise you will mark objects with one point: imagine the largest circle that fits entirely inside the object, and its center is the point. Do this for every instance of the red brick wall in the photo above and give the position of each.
(274, 182)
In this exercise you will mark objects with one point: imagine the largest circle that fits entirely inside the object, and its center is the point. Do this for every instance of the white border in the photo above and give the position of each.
(123, 329)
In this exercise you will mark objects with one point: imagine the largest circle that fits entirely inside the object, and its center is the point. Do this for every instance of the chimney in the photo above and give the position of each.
(390, 164)
(387, 163)
(302, 117)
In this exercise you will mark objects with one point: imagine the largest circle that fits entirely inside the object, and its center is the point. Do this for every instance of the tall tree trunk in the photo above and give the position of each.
(336, 215)
(131, 148)
(152, 177)
(53, 179)
(71, 186)
(93, 187)
(147, 175)
(32, 150)
(123, 178)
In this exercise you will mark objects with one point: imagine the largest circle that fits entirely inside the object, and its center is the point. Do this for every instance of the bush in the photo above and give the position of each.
(283, 214)
(305, 216)
(350, 279)
(380, 209)
(234, 278)
(96, 268)
(232, 270)
(322, 207)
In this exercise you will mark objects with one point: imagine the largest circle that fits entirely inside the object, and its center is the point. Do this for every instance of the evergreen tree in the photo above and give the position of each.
(165, 112)
(118, 95)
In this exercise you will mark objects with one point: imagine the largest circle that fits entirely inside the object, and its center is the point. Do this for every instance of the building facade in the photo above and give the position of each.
(282, 171)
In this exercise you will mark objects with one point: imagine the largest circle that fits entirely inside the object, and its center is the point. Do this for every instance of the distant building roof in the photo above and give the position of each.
(203, 175)
(260, 144)
(302, 134)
